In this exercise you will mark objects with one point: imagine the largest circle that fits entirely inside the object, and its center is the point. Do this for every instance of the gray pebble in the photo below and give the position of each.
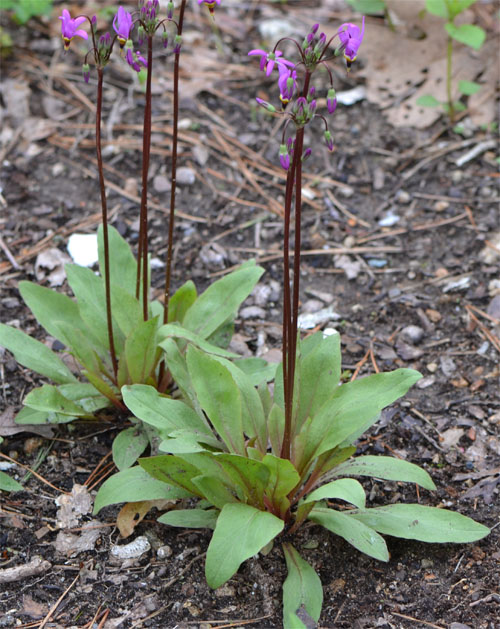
(185, 176)
(412, 333)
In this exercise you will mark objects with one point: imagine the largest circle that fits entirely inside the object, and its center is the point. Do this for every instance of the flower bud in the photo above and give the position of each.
(93, 21)
(329, 140)
(86, 72)
(170, 10)
(177, 44)
(306, 154)
(284, 157)
(312, 108)
(266, 105)
(312, 93)
(164, 39)
(141, 35)
(331, 100)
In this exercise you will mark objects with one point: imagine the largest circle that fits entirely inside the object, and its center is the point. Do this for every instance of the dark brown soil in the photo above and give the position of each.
(430, 269)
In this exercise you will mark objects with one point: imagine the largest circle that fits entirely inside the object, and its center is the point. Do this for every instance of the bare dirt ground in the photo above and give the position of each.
(401, 240)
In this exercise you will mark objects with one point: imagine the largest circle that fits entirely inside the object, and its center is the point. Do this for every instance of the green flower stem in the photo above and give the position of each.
(449, 53)
(104, 206)
(142, 262)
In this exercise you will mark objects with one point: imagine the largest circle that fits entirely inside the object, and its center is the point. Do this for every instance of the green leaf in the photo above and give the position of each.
(368, 7)
(128, 446)
(216, 492)
(122, 264)
(241, 531)
(51, 309)
(276, 426)
(134, 485)
(427, 524)
(468, 34)
(468, 87)
(223, 335)
(437, 7)
(257, 370)
(34, 355)
(221, 300)
(29, 416)
(253, 418)
(49, 398)
(353, 408)
(364, 538)
(172, 470)
(162, 412)
(176, 331)
(386, 467)
(140, 350)
(219, 397)
(190, 518)
(319, 375)
(427, 100)
(176, 362)
(302, 590)
(183, 298)
(247, 477)
(9, 484)
(283, 477)
(126, 309)
(89, 291)
(346, 489)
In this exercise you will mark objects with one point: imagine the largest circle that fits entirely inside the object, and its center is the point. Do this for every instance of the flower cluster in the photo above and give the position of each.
(299, 103)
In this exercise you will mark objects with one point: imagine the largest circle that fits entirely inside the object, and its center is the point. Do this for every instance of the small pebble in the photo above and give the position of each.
(185, 176)
(252, 312)
(440, 206)
(402, 196)
(426, 563)
(163, 552)
(161, 183)
(346, 192)
(412, 333)
(432, 367)
(457, 176)
(57, 169)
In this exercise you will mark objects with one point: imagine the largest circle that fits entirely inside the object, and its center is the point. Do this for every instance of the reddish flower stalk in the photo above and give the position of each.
(173, 179)
(162, 381)
(142, 262)
(104, 206)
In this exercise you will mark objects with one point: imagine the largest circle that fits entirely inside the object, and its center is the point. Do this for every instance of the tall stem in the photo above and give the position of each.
(143, 220)
(449, 53)
(173, 179)
(288, 343)
(291, 309)
(104, 206)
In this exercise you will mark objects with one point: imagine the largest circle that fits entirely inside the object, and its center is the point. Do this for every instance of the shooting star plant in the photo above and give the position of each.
(113, 328)
(258, 464)
(468, 34)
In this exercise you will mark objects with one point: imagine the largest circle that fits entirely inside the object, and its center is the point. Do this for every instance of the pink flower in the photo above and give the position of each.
(69, 28)
(210, 4)
(134, 59)
(351, 37)
(287, 84)
(123, 24)
(268, 59)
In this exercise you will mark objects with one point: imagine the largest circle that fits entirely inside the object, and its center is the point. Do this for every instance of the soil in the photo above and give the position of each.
(397, 239)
